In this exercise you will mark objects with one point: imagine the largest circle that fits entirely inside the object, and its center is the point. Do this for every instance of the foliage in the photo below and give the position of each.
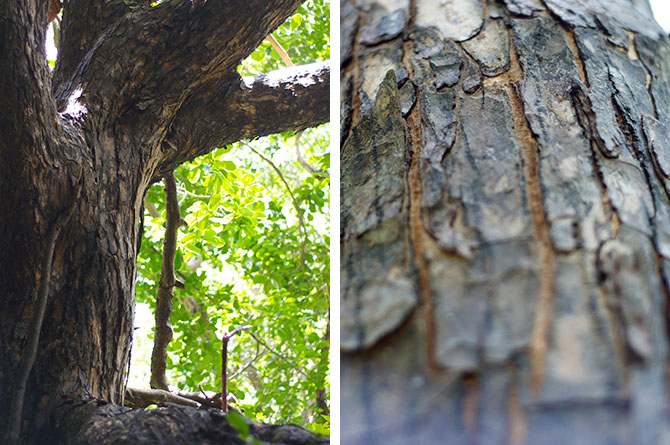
(304, 36)
(252, 251)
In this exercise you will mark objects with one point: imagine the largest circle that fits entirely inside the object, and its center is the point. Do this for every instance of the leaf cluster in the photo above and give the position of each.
(250, 253)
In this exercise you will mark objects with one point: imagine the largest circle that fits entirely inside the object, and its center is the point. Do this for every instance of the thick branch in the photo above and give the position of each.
(282, 100)
(23, 80)
(151, 59)
(83, 22)
(93, 423)
(224, 364)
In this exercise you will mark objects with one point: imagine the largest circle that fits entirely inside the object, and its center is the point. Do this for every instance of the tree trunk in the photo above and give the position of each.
(135, 93)
(505, 222)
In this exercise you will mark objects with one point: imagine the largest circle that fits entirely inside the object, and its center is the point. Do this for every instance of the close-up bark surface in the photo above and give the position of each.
(136, 91)
(505, 222)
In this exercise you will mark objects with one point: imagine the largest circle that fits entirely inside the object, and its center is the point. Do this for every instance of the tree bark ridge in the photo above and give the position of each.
(536, 205)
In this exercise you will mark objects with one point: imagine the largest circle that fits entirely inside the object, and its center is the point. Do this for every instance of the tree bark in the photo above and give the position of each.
(505, 222)
(136, 91)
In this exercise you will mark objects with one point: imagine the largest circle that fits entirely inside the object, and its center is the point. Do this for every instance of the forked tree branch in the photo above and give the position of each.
(180, 50)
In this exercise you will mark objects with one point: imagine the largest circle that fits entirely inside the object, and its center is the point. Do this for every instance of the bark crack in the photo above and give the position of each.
(569, 34)
(517, 424)
(646, 163)
(665, 288)
(658, 258)
(649, 76)
(530, 151)
(587, 120)
(471, 405)
(417, 233)
(354, 67)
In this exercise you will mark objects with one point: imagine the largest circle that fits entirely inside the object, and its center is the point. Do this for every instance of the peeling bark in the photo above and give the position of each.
(528, 201)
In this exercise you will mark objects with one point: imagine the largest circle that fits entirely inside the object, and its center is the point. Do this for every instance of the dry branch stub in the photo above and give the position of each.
(224, 364)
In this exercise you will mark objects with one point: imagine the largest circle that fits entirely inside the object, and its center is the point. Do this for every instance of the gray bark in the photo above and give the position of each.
(505, 222)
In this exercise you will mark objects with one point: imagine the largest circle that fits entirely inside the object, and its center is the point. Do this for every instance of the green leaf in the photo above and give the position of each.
(178, 260)
(237, 421)
(296, 20)
(214, 201)
(245, 258)
(229, 165)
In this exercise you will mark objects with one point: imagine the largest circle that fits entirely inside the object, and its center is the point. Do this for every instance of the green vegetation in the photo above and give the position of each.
(254, 250)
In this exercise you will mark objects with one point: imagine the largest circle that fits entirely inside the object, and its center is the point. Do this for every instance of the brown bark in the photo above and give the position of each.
(505, 221)
(163, 310)
(126, 82)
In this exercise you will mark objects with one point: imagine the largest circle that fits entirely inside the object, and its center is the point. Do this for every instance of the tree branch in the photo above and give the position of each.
(166, 286)
(280, 50)
(180, 50)
(224, 364)
(294, 201)
(286, 99)
(106, 423)
(303, 162)
(141, 398)
(279, 354)
(83, 22)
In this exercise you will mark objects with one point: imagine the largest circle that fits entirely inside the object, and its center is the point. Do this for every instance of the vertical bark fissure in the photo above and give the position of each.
(530, 150)
(646, 163)
(665, 288)
(569, 35)
(517, 425)
(354, 67)
(418, 235)
(586, 119)
(471, 405)
(417, 232)
(650, 76)
(629, 131)
(615, 318)
(613, 314)
(658, 259)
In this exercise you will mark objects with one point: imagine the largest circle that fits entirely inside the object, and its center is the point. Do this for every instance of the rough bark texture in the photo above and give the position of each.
(505, 224)
(135, 92)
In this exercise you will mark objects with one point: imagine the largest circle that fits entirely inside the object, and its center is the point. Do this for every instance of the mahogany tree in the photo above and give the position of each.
(136, 91)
